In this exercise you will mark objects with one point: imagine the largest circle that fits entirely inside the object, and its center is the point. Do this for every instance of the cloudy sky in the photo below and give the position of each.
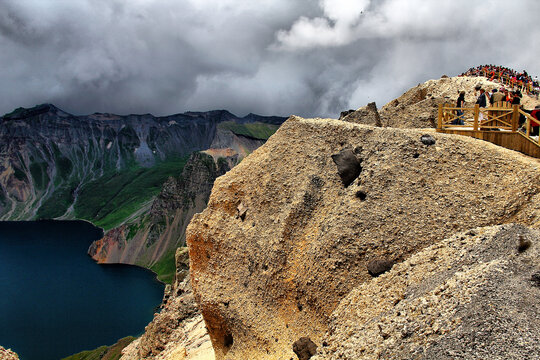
(272, 57)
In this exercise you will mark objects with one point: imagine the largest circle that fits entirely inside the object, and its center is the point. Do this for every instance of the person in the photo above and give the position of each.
(507, 96)
(482, 102)
(535, 127)
(460, 103)
(516, 98)
(497, 96)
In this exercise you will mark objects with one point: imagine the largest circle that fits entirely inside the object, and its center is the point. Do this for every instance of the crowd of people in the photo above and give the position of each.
(516, 80)
(494, 96)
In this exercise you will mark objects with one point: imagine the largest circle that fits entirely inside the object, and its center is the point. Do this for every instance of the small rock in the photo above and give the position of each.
(304, 348)
(242, 211)
(345, 113)
(379, 266)
(535, 278)
(427, 140)
(348, 166)
(523, 244)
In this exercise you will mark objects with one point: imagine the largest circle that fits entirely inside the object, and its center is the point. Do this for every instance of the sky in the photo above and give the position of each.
(270, 57)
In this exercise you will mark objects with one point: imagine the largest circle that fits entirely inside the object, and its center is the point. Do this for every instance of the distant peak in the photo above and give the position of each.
(23, 113)
(210, 113)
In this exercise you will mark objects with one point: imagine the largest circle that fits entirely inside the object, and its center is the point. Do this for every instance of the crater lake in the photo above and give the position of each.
(56, 301)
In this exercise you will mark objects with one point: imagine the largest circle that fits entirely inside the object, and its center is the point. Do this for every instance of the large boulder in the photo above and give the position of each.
(367, 115)
(276, 274)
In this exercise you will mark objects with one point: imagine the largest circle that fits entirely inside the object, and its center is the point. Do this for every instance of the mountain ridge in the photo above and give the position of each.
(48, 155)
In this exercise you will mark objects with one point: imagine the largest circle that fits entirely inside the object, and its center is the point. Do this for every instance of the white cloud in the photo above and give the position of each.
(311, 58)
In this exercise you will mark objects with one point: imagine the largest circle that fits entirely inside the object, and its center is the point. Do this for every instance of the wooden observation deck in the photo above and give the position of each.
(498, 124)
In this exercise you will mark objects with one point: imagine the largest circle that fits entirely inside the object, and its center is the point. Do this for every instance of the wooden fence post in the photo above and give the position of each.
(476, 113)
(439, 121)
(515, 118)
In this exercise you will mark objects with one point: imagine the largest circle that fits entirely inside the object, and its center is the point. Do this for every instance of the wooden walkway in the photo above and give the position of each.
(498, 124)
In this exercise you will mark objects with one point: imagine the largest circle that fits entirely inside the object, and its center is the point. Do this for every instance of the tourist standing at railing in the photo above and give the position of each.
(489, 94)
(507, 96)
(516, 98)
(460, 103)
(482, 100)
(482, 103)
(496, 97)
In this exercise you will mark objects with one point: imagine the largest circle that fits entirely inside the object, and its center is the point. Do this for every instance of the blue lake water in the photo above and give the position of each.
(56, 301)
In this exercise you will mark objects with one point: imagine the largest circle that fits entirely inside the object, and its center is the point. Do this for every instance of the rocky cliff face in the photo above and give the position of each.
(148, 239)
(151, 237)
(54, 164)
(178, 330)
(291, 231)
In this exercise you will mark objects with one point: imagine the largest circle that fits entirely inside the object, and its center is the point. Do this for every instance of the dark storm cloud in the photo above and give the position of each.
(312, 58)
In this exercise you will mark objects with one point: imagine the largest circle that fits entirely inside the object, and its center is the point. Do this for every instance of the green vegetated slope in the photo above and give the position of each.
(255, 130)
(165, 268)
(109, 200)
(113, 352)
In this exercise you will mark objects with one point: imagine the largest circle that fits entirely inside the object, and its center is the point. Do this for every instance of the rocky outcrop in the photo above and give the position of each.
(178, 330)
(7, 354)
(472, 296)
(367, 115)
(283, 242)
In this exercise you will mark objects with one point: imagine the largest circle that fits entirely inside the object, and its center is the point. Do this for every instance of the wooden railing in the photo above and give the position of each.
(497, 118)
(530, 122)
(500, 117)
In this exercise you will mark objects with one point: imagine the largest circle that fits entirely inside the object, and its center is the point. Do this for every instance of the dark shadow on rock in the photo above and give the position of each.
(379, 266)
(535, 278)
(361, 194)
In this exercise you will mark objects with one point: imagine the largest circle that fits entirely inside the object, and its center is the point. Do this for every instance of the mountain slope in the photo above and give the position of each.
(151, 239)
(99, 167)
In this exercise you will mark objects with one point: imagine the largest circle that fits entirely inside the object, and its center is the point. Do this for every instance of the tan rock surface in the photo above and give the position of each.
(367, 115)
(469, 297)
(282, 241)
(7, 354)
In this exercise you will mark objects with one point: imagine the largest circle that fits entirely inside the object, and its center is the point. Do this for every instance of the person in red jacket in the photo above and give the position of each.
(535, 127)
